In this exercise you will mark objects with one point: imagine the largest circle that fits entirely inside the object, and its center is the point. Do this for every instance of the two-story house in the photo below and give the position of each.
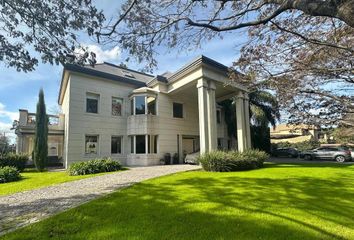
(111, 111)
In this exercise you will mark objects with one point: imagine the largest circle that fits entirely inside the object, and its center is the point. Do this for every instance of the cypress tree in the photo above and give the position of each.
(40, 152)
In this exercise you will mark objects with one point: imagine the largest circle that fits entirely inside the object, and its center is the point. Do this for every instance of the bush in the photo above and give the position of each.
(301, 146)
(14, 160)
(220, 161)
(94, 166)
(9, 174)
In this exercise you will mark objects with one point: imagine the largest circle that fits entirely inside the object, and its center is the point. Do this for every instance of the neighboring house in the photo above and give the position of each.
(24, 129)
(296, 133)
(111, 111)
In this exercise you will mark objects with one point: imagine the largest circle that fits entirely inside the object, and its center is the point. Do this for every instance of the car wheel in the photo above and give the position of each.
(340, 159)
(307, 157)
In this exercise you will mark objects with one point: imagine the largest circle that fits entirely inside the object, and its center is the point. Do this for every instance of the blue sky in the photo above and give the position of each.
(19, 90)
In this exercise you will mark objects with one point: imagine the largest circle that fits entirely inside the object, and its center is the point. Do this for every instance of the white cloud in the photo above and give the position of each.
(109, 55)
(7, 114)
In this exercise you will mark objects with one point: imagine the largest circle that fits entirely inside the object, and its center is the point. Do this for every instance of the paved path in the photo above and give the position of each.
(23, 208)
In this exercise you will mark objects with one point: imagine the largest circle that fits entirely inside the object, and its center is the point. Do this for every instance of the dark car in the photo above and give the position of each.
(339, 154)
(286, 152)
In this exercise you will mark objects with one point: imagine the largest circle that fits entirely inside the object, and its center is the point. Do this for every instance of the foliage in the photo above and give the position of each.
(4, 144)
(94, 166)
(49, 27)
(14, 160)
(40, 152)
(260, 137)
(343, 135)
(302, 50)
(301, 146)
(275, 202)
(221, 161)
(9, 174)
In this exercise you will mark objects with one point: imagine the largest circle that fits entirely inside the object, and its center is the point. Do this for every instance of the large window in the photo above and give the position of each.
(177, 110)
(92, 101)
(143, 105)
(117, 106)
(139, 105)
(138, 144)
(91, 144)
(116, 145)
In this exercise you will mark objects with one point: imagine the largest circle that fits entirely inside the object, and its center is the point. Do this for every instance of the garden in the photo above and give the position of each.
(15, 177)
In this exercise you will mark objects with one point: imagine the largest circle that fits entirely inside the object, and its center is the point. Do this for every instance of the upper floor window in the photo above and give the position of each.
(177, 110)
(139, 105)
(143, 105)
(92, 101)
(117, 106)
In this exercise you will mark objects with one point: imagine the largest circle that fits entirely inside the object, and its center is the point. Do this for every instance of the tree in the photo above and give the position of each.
(300, 49)
(4, 144)
(264, 111)
(47, 27)
(40, 152)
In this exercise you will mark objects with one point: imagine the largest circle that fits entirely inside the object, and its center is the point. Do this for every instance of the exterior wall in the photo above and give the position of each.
(79, 123)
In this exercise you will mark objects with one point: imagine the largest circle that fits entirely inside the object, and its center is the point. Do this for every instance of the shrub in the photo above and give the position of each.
(301, 146)
(220, 161)
(14, 160)
(94, 166)
(9, 174)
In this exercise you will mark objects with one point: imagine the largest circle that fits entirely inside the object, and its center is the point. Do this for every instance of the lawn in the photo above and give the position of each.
(31, 179)
(280, 201)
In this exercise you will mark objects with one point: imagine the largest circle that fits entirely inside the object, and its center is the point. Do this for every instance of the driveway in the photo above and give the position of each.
(21, 209)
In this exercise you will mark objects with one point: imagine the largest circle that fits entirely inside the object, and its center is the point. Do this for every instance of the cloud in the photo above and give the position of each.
(108, 55)
(7, 114)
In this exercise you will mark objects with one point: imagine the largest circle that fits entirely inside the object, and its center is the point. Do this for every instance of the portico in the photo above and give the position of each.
(213, 85)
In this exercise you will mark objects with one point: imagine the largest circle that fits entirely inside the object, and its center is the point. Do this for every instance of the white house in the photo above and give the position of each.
(111, 111)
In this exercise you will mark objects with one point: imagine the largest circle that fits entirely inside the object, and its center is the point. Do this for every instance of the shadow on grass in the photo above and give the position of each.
(201, 205)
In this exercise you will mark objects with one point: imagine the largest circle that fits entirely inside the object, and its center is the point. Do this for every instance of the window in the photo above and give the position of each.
(117, 106)
(140, 144)
(151, 103)
(92, 102)
(177, 110)
(132, 106)
(218, 116)
(91, 144)
(116, 145)
(152, 143)
(139, 105)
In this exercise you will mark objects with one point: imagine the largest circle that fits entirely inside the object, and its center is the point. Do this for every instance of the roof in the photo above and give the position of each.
(290, 127)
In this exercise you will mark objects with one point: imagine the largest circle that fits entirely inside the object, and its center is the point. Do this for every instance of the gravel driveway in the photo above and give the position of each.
(23, 208)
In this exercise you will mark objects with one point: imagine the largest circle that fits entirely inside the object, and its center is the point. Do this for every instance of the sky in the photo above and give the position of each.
(19, 90)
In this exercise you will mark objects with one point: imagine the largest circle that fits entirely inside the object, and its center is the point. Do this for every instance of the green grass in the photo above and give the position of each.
(280, 201)
(31, 179)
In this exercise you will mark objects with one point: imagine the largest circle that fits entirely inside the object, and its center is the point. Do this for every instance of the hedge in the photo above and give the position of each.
(9, 174)
(221, 161)
(94, 166)
(14, 160)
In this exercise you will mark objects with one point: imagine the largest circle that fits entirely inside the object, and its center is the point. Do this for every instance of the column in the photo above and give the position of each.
(203, 115)
(247, 120)
(212, 128)
(240, 122)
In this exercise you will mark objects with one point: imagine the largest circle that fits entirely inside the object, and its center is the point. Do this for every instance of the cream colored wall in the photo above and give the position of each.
(78, 122)
(103, 124)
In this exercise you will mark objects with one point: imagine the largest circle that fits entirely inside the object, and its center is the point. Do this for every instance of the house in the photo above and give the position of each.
(111, 111)
(296, 133)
